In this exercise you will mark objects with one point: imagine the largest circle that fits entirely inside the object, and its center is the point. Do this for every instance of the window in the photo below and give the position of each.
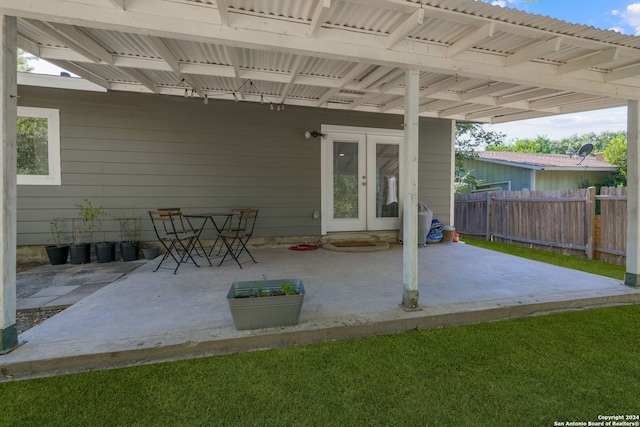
(38, 146)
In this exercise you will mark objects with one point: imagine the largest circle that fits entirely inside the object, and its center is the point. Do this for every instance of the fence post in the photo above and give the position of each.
(488, 235)
(590, 207)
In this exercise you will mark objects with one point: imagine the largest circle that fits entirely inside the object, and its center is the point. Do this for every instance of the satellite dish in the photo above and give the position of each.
(584, 151)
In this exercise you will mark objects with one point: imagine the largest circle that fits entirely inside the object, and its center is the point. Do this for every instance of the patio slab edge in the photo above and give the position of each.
(312, 332)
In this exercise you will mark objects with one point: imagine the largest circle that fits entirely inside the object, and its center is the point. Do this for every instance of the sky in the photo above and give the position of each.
(618, 15)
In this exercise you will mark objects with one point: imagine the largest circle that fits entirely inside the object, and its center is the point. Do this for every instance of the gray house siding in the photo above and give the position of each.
(557, 180)
(487, 172)
(133, 152)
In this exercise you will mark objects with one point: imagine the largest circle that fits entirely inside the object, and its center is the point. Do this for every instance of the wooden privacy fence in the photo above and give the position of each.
(562, 221)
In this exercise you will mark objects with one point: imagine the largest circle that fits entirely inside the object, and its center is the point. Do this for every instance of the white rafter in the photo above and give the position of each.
(534, 51)
(471, 39)
(589, 61)
(403, 30)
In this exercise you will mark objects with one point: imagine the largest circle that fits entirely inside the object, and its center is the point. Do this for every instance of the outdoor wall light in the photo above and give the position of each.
(314, 134)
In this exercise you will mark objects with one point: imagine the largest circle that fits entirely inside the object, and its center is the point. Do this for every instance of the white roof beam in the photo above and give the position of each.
(120, 4)
(223, 13)
(623, 73)
(523, 96)
(471, 39)
(170, 58)
(61, 38)
(487, 90)
(463, 109)
(535, 51)
(295, 70)
(589, 61)
(81, 39)
(346, 79)
(559, 100)
(28, 46)
(443, 84)
(403, 30)
(140, 78)
(319, 16)
(79, 71)
(373, 77)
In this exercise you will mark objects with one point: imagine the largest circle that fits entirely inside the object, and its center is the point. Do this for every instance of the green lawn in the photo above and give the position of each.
(589, 266)
(525, 372)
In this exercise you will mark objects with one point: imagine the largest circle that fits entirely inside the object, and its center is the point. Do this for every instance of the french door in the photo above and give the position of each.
(361, 179)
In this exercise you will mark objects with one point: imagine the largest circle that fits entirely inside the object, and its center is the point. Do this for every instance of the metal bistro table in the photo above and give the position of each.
(211, 216)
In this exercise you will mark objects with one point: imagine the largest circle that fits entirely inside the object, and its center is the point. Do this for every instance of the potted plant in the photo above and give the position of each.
(90, 218)
(105, 251)
(266, 303)
(59, 251)
(130, 233)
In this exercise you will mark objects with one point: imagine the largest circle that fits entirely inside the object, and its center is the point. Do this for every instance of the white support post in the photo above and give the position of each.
(633, 185)
(8, 178)
(410, 222)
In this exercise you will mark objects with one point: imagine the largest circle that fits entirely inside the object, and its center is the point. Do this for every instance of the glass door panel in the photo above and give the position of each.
(345, 180)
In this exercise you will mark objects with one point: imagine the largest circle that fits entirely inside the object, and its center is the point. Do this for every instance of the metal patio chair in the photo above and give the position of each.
(183, 225)
(178, 243)
(235, 239)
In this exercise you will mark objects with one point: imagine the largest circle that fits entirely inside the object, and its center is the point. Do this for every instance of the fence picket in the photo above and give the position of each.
(561, 221)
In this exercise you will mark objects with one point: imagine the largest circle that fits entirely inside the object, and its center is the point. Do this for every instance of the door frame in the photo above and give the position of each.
(324, 184)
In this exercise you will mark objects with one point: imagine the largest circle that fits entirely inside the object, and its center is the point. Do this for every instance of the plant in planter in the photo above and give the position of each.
(130, 232)
(266, 303)
(91, 219)
(59, 252)
(105, 251)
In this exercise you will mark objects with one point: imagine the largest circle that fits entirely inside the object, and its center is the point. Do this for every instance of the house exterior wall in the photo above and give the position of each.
(486, 172)
(130, 153)
(561, 180)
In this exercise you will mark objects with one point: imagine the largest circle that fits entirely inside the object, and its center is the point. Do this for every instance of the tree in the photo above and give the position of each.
(469, 138)
(23, 61)
(616, 153)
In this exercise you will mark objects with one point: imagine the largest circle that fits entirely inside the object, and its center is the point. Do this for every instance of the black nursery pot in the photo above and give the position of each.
(80, 254)
(57, 254)
(129, 250)
(105, 252)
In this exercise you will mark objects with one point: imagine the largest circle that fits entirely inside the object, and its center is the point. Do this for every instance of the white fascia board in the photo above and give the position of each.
(58, 82)
(580, 168)
(506, 163)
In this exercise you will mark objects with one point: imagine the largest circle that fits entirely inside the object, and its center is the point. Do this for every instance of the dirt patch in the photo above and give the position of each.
(27, 320)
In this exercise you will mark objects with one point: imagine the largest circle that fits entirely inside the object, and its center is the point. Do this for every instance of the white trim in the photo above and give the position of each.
(58, 82)
(354, 129)
(53, 144)
(325, 188)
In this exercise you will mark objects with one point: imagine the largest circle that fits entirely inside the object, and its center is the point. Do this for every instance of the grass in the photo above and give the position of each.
(526, 372)
(582, 264)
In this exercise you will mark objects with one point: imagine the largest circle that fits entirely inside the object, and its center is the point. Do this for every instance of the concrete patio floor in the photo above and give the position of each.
(147, 317)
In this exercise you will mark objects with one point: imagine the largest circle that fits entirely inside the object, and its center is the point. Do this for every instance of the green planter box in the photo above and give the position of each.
(252, 312)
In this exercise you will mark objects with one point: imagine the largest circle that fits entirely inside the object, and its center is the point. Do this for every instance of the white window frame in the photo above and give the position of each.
(53, 144)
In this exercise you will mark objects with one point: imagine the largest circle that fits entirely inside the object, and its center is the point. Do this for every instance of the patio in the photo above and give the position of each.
(147, 317)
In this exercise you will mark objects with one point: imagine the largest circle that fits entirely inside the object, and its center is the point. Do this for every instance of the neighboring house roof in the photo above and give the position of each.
(477, 62)
(537, 161)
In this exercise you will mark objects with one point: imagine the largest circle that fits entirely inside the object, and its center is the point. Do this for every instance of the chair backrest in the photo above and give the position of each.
(163, 222)
(179, 222)
(248, 219)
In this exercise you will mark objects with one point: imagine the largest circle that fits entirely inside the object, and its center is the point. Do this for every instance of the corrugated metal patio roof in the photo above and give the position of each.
(478, 62)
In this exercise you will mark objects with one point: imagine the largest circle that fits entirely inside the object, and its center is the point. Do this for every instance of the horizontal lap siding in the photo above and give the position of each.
(130, 153)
